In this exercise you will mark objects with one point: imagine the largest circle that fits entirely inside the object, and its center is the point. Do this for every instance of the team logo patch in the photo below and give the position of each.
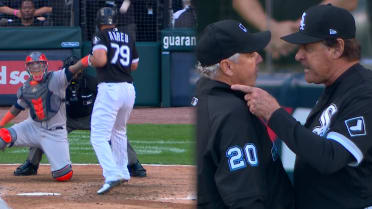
(194, 101)
(356, 126)
(302, 24)
(241, 26)
(96, 39)
(325, 120)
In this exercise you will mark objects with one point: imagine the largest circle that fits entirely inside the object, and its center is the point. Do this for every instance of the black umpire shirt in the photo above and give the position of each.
(333, 168)
(237, 165)
(121, 52)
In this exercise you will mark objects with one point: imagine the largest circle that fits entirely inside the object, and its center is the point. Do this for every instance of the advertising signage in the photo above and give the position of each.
(13, 72)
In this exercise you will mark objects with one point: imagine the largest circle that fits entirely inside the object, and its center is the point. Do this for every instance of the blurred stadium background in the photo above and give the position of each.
(150, 16)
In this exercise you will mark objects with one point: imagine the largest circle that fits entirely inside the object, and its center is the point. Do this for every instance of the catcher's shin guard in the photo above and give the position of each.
(63, 174)
(7, 137)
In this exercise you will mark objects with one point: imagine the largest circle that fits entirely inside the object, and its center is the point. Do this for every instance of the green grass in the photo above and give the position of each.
(154, 144)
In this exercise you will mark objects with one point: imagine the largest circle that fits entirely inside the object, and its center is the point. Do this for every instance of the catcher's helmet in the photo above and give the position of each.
(36, 65)
(106, 16)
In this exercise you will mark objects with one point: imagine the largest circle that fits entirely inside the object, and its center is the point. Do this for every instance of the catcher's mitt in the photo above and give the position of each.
(70, 60)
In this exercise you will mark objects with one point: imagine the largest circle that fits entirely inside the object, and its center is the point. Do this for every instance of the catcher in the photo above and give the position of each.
(80, 96)
(43, 94)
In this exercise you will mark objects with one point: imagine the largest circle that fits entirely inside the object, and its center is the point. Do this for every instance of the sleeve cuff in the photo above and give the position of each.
(349, 146)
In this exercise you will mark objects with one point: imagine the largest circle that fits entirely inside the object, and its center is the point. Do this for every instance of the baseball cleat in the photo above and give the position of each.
(109, 185)
(26, 169)
(137, 170)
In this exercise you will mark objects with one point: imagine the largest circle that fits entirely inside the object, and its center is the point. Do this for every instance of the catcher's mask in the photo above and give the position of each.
(106, 16)
(36, 65)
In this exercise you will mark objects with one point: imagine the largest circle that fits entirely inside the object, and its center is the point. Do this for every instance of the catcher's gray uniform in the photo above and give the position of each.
(50, 135)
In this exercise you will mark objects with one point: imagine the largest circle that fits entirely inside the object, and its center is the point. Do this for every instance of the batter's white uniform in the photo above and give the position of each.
(50, 135)
(114, 103)
(111, 112)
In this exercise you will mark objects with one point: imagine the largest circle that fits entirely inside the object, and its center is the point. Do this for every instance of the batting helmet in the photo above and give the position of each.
(106, 16)
(36, 65)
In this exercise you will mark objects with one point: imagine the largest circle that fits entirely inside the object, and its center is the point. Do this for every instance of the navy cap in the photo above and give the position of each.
(222, 39)
(323, 22)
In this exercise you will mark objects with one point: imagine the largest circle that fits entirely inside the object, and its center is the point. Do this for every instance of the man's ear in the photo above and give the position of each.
(338, 50)
(226, 67)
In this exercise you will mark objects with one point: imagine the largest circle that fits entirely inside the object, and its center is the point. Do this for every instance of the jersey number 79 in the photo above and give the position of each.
(122, 53)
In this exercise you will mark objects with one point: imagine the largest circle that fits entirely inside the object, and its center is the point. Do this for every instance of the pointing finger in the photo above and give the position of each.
(243, 88)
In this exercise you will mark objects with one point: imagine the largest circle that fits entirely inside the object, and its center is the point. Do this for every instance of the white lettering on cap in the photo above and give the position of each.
(241, 26)
(302, 24)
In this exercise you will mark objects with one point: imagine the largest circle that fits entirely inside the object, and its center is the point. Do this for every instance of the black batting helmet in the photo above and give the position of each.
(106, 16)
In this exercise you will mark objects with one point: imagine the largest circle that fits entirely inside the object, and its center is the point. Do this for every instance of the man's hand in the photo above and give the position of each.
(70, 60)
(260, 103)
(278, 47)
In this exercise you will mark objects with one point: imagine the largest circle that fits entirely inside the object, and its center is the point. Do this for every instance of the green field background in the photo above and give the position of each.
(166, 144)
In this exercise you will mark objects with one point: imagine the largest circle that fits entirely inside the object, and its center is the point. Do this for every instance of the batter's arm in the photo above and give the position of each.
(97, 59)
(134, 66)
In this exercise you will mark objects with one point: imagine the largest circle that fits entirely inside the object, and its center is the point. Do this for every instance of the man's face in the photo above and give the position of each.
(37, 70)
(316, 59)
(245, 69)
(27, 10)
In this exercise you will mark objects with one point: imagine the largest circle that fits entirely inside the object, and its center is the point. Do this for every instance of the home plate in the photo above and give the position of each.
(39, 194)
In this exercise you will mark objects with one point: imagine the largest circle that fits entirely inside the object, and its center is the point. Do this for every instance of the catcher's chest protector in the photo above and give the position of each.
(42, 102)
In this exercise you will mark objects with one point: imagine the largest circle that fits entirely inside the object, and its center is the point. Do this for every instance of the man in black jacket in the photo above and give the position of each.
(334, 147)
(237, 163)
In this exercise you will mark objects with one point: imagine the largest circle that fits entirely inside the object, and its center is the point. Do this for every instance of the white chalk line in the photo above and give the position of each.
(39, 194)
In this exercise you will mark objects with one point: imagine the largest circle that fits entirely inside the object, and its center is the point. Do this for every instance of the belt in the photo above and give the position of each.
(56, 128)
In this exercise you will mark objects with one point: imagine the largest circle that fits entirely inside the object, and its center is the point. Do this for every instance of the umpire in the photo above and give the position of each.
(237, 163)
(333, 167)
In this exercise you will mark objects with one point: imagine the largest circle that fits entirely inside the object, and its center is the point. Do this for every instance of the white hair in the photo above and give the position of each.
(211, 71)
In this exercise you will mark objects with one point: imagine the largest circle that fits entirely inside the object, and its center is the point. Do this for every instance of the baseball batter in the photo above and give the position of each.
(114, 57)
(43, 95)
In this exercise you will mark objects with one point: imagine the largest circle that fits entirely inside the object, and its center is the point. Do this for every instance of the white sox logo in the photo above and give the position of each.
(302, 24)
(325, 120)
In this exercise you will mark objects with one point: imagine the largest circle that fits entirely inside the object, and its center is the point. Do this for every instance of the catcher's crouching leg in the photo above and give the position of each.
(63, 174)
(7, 137)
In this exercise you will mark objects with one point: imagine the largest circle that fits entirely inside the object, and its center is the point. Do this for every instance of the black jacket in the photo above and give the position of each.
(237, 164)
(333, 167)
